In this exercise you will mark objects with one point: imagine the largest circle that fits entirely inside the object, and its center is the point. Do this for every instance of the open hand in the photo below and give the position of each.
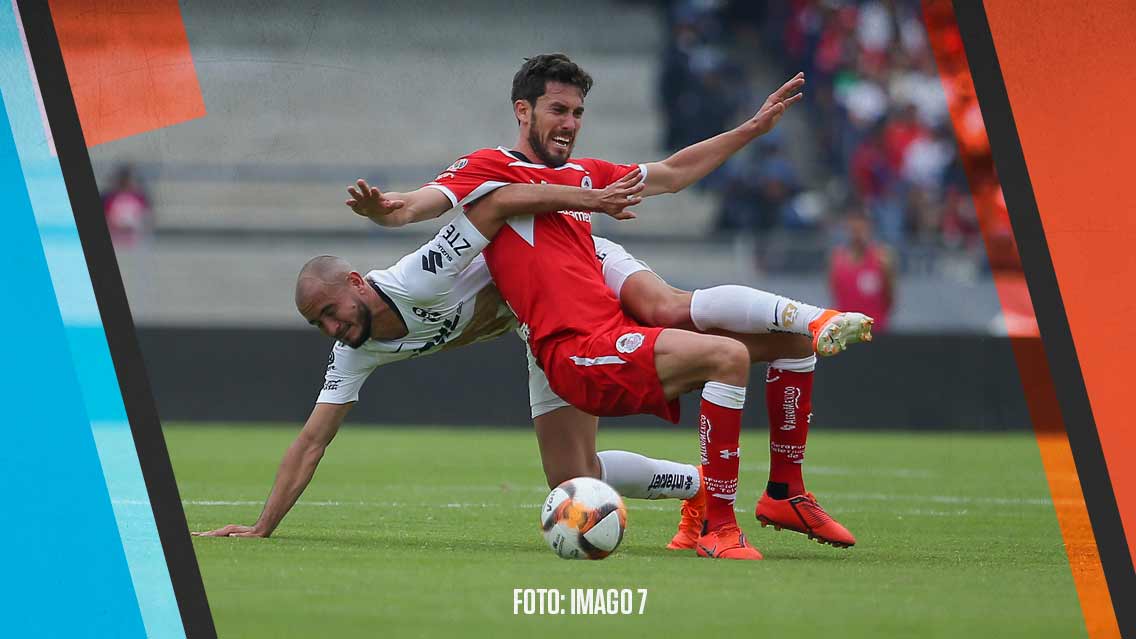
(233, 530)
(621, 194)
(777, 103)
(369, 202)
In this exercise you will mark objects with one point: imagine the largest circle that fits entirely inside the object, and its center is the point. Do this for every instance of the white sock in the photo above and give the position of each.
(724, 395)
(633, 475)
(799, 365)
(742, 309)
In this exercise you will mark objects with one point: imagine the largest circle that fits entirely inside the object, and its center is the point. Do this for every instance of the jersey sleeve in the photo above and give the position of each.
(347, 369)
(606, 172)
(472, 176)
(433, 270)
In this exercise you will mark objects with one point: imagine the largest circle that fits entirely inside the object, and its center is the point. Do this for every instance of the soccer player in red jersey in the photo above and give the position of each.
(595, 356)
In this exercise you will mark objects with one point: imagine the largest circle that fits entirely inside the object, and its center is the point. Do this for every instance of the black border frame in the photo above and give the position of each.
(118, 323)
(1061, 353)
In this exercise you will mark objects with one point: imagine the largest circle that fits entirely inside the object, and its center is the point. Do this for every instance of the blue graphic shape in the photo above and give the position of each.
(68, 573)
(87, 356)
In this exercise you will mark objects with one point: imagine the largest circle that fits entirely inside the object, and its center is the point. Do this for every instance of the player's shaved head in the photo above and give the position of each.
(329, 294)
(321, 275)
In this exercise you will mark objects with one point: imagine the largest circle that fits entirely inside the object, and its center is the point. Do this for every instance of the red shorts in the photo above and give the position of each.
(610, 373)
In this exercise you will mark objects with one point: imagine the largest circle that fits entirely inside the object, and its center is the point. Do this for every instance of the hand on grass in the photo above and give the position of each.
(233, 530)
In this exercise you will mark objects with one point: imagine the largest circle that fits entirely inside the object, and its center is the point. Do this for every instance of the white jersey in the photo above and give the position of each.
(446, 297)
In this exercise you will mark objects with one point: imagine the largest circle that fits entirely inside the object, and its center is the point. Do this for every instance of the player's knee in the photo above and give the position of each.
(731, 361)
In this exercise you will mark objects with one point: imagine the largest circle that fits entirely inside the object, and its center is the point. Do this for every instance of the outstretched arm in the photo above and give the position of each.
(393, 209)
(296, 471)
(697, 160)
(488, 213)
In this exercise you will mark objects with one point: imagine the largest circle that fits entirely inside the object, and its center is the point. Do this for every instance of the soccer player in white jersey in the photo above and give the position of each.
(441, 297)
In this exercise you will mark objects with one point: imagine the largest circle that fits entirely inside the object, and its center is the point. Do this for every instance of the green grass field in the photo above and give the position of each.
(424, 532)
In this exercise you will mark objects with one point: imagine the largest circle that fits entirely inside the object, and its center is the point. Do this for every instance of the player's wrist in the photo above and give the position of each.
(590, 199)
(751, 129)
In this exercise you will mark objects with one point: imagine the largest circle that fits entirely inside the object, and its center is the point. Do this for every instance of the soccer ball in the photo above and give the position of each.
(583, 518)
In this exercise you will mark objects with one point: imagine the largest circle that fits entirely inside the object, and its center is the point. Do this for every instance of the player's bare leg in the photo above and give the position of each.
(567, 440)
(684, 361)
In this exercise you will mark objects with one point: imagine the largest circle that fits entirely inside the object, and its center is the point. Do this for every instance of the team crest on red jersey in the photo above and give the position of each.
(586, 183)
(629, 342)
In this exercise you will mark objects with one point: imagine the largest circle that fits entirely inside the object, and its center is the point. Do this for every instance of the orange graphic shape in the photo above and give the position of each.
(1021, 323)
(129, 64)
(1079, 160)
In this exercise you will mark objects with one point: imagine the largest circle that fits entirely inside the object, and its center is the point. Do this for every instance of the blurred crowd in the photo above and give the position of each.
(877, 139)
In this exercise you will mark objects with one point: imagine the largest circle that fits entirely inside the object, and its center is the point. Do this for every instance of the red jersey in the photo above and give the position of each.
(545, 266)
(860, 285)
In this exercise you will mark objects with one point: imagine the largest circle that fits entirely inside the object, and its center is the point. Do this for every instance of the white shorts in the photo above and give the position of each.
(618, 265)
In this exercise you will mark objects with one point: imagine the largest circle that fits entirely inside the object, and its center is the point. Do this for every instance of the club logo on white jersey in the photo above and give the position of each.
(726, 454)
(586, 183)
(459, 165)
(629, 342)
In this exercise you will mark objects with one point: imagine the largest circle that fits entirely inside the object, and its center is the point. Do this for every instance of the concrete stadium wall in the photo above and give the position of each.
(898, 382)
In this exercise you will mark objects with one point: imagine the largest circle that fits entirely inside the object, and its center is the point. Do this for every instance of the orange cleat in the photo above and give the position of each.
(727, 542)
(802, 513)
(834, 331)
(690, 526)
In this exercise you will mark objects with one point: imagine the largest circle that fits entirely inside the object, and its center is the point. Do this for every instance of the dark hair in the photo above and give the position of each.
(529, 83)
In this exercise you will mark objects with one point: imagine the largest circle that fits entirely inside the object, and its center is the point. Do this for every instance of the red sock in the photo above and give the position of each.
(719, 430)
(789, 400)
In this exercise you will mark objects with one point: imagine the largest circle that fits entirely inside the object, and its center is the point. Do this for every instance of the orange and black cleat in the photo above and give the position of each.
(802, 513)
(727, 542)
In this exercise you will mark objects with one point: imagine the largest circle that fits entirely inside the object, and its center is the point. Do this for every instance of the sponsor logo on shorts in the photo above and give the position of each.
(459, 165)
(629, 342)
(586, 183)
(332, 384)
(444, 176)
(790, 403)
(789, 315)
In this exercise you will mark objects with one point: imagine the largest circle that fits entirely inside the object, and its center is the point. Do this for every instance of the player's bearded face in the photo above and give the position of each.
(555, 122)
(359, 330)
(548, 144)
